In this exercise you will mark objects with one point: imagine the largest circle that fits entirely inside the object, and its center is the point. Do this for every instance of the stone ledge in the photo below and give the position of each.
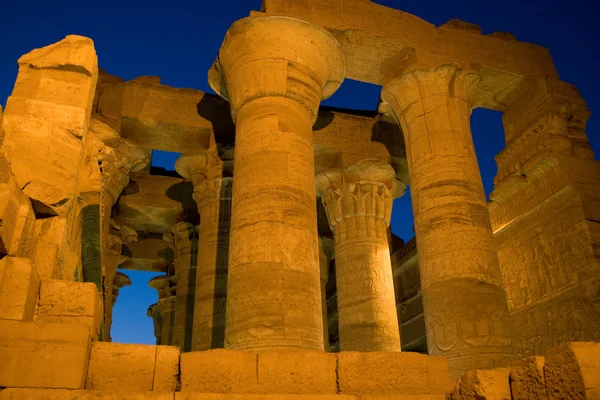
(351, 373)
(65, 394)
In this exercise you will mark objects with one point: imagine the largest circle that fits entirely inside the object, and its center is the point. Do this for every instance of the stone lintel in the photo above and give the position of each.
(160, 117)
(377, 41)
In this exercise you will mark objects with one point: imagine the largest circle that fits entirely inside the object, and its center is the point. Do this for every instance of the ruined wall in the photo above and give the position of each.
(545, 210)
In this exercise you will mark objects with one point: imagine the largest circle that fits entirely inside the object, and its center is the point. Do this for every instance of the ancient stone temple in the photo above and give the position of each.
(280, 276)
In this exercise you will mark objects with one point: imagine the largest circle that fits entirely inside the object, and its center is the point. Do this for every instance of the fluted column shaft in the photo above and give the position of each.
(214, 205)
(464, 300)
(358, 202)
(275, 71)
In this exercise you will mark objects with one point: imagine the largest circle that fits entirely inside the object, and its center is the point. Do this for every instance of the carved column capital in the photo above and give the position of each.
(366, 188)
(179, 238)
(120, 280)
(403, 97)
(115, 157)
(205, 171)
(166, 286)
(277, 56)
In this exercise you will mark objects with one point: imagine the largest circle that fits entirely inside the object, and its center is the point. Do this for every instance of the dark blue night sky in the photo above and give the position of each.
(179, 40)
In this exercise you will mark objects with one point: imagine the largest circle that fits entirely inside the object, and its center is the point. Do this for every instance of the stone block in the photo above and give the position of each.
(64, 394)
(572, 371)
(73, 53)
(166, 372)
(297, 372)
(19, 288)
(390, 373)
(46, 120)
(219, 371)
(121, 367)
(527, 379)
(50, 253)
(70, 302)
(491, 384)
(230, 396)
(34, 354)
(18, 221)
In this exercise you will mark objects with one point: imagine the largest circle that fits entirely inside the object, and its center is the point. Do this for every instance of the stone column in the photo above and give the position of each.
(120, 234)
(325, 254)
(464, 300)
(184, 239)
(274, 71)
(154, 313)
(358, 202)
(165, 285)
(212, 193)
(104, 173)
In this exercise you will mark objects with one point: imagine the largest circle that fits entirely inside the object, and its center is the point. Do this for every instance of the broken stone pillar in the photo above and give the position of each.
(212, 193)
(119, 281)
(46, 121)
(325, 254)
(184, 239)
(274, 71)
(358, 202)
(464, 301)
(154, 313)
(166, 287)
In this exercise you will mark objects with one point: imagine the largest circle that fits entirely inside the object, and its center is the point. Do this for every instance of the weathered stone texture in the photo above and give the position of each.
(527, 379)
(132, 368)
(46, 119)
(392, 374)
(482, 385)
(19, 287)
(297, 372)
(166, 371)
(40, 355)
(572, 371)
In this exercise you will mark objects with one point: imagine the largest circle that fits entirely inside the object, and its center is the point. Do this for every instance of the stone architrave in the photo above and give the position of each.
(465, 304)
(184, 238)
(358, 202)
(212, 193)
(274, 71)
(166, 287)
